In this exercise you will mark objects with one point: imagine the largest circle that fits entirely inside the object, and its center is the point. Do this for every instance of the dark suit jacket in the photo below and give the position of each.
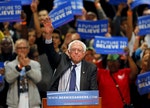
(62, 62)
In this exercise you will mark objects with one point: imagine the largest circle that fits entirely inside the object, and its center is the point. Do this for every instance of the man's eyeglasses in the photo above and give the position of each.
(76, 50)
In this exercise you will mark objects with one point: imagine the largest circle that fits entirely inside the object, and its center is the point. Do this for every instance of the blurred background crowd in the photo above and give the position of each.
(122, 22)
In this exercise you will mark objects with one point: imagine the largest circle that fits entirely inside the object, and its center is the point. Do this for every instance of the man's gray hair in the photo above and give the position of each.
(77, 41)
(19, 41)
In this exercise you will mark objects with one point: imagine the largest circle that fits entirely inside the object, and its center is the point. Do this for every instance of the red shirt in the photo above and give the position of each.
(107, 88)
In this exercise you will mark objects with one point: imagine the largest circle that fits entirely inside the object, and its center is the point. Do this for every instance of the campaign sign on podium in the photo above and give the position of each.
(72, 98)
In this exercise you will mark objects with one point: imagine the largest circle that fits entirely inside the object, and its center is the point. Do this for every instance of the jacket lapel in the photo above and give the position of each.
(83, 76)
(60, 71)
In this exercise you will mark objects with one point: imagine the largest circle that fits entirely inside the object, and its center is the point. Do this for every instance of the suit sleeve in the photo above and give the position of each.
(93, 77)
(53, 56)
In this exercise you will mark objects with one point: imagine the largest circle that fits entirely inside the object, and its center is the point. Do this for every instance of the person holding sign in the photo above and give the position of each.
(144, 98)
(146, 12)
(72, 62)
(114, 82)
(123, 25)
(101, 14)
(38, 16)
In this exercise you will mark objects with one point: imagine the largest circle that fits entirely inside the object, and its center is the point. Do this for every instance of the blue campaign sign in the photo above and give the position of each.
(144, 25)
(26, 2)
(77, 5)
(113, 45)
(117, 2)
(61, 15)
(143, 83)
(136, 3)
(89, 29)
(57, 3)
(10, 11)
(73, 98)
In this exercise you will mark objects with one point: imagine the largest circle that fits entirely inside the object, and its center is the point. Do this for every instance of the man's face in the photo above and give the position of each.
(124, 26)
(31, 37)
(56, 40)
(76, 52)
(22, 49)
(43, 14)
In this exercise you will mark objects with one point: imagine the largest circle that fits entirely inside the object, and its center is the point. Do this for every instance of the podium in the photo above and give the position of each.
(44, 105)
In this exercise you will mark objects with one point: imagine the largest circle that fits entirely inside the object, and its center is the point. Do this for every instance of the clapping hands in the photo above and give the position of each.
(23, 60)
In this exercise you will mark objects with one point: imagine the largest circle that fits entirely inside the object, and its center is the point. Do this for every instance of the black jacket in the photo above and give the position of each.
(61, 62)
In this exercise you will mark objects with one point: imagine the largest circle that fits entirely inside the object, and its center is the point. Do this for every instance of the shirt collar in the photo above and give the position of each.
(79, 64)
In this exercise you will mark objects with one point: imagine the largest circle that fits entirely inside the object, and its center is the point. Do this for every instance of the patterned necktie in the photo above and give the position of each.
(73, 79)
